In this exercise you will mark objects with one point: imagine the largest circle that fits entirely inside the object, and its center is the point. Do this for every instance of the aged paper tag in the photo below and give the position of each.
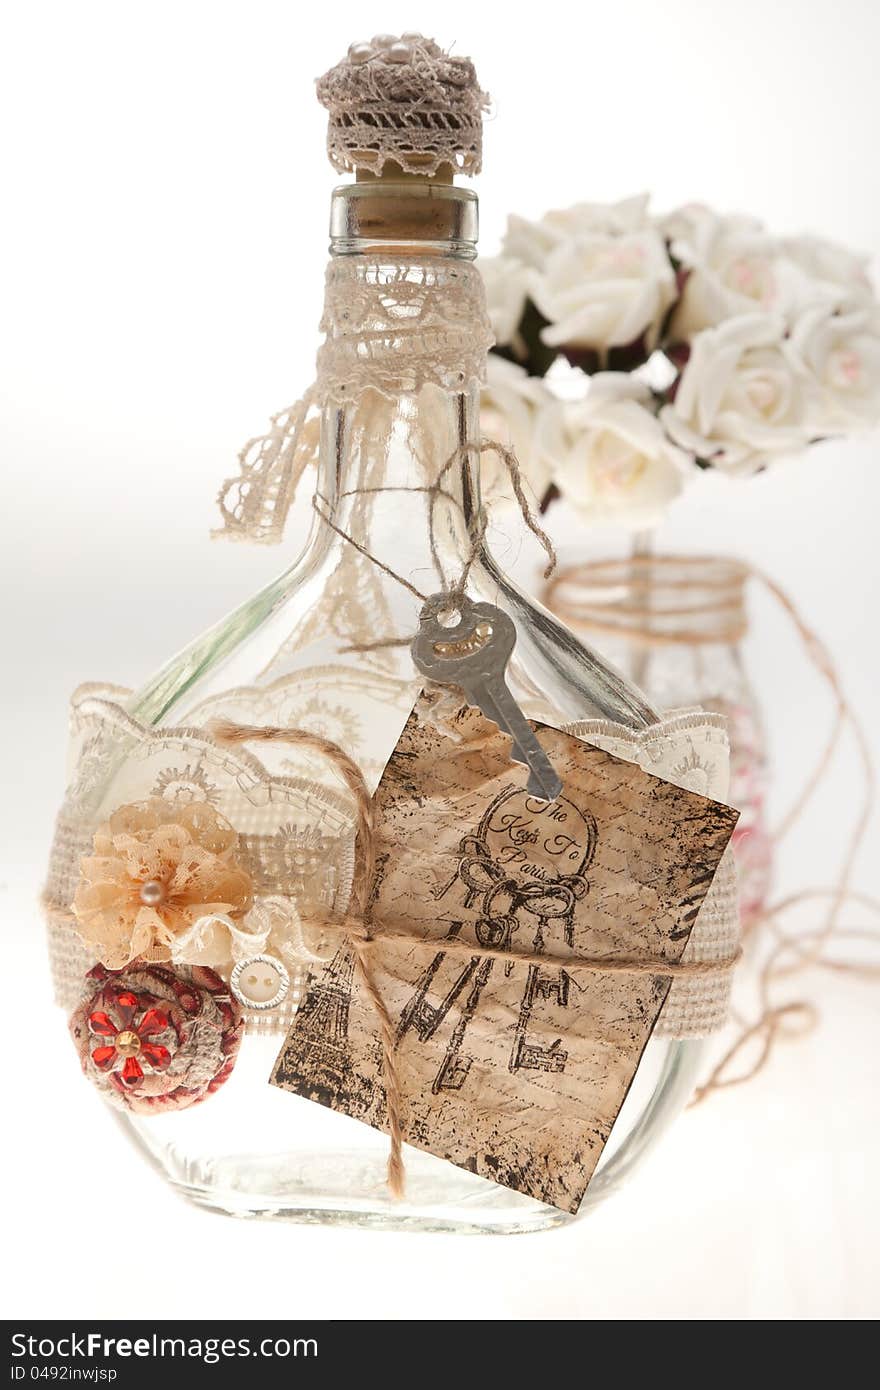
(509, 1069)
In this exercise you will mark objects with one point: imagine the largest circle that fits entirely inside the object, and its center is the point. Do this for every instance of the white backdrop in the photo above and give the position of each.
(165, 217)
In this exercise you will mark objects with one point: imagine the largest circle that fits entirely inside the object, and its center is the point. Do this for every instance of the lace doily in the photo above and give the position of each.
(403, 100)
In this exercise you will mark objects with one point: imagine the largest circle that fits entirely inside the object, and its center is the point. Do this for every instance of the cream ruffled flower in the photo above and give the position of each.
(157, 868)
(609, 456)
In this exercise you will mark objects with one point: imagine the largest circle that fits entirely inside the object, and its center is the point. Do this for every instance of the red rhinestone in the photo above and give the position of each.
(153, 1021)
(103, 1025)
(104, 1057)
(132, 1072)
(126, 1003)
(158, 1057)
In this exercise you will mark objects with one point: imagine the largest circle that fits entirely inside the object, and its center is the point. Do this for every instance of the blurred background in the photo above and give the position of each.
(165, 229)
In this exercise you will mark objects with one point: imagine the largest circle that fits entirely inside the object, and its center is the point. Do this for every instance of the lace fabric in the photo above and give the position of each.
(389, 329)
(395, 326)
(294, 836)
(405, 102)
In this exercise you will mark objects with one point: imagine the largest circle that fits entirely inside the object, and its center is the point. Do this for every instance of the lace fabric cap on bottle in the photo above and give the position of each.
(295, 837)
(403, 101)
(390, 328)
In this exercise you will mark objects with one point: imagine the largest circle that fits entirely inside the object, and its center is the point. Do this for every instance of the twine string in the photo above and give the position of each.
(363, 933)
(718, 617)
(434, 491)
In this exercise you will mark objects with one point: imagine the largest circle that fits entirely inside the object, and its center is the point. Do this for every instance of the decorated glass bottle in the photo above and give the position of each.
(323, 648)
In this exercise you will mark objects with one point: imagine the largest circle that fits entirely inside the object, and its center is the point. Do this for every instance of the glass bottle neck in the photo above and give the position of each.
(398, 480)
(406, 337)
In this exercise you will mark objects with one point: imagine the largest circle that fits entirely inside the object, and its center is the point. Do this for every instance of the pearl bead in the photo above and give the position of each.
(398, 53)
(360, 53)
(152, 893)
(411, 37)
(383, 40)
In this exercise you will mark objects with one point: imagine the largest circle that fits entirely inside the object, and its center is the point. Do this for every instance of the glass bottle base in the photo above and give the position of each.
(346, 1186)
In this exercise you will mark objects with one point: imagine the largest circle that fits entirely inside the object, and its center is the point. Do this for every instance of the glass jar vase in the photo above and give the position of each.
(675, 625)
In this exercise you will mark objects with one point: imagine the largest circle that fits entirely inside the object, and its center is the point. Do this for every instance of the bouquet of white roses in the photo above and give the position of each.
(692, 339)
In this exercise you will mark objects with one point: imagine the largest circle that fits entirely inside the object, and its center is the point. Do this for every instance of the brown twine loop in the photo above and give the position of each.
(362, 933)
(645, 608)
(719, 616)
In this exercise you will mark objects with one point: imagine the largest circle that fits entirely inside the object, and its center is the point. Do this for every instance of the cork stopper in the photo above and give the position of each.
(403, 107)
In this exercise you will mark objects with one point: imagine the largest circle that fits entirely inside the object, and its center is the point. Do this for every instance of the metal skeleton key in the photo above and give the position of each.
(474, 653)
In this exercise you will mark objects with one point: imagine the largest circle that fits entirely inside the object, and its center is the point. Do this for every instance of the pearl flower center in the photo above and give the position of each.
(152, 893)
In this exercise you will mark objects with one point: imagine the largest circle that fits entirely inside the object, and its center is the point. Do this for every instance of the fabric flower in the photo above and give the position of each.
(609, 456)
(742, 399)
(155, 1038)
(840, 351)
(510, 406)
(602, 291)
(505, 282)
(157, 868)
(123, 1038)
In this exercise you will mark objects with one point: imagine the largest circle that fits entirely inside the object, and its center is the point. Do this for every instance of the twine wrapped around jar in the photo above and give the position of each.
(674, 623)
(649, 606)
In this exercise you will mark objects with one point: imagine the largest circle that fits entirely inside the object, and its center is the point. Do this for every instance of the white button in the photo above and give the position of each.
(260, 982)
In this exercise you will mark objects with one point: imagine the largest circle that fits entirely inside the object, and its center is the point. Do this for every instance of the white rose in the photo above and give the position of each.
(742, 399)
(733, 267)
(691, 222)
(532, 242)
(609, 456)
(601, 291)
(832, 268)
(841, 353)
(505, 282)
(511, 403)
(629, 215)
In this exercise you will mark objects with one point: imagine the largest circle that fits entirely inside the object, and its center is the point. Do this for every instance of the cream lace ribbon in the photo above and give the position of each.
(389, 328)
(296, 839)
